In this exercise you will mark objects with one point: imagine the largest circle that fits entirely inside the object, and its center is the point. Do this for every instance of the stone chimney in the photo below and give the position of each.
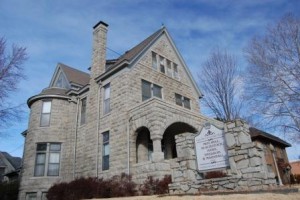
(99, 49)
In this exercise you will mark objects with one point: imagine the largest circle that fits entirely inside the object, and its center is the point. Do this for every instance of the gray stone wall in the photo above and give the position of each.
(247, 170)
(61, 130)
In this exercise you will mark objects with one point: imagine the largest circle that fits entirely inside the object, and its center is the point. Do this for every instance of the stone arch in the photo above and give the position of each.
(168, 140)
(181, 119)
(143, 145)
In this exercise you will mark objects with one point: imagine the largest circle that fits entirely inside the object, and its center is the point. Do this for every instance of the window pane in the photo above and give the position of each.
(154, 61)
(39, 170)
(106, 150)
(106, 106)
(54, 147)
(53, 169)
(41, 147)
(178, 99)
(105, 162)
(31, 196)
(169, 68)
(105, 137)
(40, 158)
(44, 196)
(175, 72)
(157, 91)
(107, 91)
(162, 64)
(146, 90)
(45, 119)
(83, 111)
(54, 158)
(46, 107)
(186, 102)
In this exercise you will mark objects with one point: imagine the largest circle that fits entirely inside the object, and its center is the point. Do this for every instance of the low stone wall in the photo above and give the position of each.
(141, 171)
(247, 169)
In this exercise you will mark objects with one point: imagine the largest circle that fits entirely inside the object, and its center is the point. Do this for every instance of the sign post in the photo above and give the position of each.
(210, 146)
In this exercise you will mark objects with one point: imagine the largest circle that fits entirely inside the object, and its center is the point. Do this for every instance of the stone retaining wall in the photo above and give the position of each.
(247, 170)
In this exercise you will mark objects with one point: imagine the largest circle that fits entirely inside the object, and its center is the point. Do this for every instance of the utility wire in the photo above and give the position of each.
(113, 51)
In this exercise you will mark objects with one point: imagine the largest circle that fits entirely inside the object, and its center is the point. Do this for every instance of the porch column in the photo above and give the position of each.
(157, 154)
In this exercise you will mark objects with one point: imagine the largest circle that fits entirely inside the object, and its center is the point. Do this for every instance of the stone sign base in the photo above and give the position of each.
(247, 170)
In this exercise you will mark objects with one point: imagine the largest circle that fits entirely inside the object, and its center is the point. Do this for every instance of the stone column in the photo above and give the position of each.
(157, 154)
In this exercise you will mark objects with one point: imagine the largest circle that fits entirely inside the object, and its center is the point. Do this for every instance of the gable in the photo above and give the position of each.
(164, 47)
(66, 77)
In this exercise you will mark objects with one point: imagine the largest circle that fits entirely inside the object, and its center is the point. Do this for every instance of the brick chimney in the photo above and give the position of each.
(99, 49)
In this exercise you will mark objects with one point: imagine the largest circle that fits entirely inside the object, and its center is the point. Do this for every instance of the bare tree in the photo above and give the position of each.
(274, 75)
(220, 82)
(11, 73)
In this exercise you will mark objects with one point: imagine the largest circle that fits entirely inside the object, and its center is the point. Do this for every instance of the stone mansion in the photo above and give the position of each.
(123, 116)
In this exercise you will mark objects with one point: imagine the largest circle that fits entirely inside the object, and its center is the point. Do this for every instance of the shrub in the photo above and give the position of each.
(214, 174)
(9, 191)
(87, 188)
(155, 186)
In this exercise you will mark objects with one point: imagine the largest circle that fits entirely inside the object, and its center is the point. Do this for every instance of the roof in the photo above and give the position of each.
(53, 91)
(132, 53)
(14, 161)
(256, 133)
(130, 56)
(75, 76)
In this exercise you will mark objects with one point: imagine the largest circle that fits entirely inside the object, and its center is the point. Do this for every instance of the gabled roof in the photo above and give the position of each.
(75, 76)
(133, 54)
(14, 161)
(256, 133)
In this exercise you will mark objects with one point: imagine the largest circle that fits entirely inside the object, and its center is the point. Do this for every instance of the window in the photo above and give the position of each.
(47, 159)
(83, 111)
(31, 196)
(169, 68)
(182, 101)
(106, 151)
(46, 111)
(162, 64)
(154, 61)
(149, 90)
(165, 66)
(175, 71)
(44, 195)
(107, 98)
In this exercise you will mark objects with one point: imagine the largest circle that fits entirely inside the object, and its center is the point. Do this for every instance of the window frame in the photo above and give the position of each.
(105, 155)
(181, 100)
(29, 195)
(106, 100)
(45, 113)
(152, 92)
(47, 152)
(83, 108)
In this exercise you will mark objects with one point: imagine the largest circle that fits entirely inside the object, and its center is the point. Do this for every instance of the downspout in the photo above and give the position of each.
(128, 145)
(76, 130)
(98, 127)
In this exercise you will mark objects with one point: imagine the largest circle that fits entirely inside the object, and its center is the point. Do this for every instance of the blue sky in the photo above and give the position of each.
(61, 31)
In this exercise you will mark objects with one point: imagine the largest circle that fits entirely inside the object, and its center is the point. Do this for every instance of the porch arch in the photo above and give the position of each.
(168, 140)
(144, 145)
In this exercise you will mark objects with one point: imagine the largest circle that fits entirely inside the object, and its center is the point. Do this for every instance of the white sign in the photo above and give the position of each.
(211, 149)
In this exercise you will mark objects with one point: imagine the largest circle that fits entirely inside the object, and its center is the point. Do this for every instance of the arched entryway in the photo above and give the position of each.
(144, 145)
(168, 143)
